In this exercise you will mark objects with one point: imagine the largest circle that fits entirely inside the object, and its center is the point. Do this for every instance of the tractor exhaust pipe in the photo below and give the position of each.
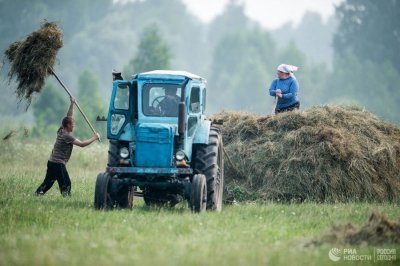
(182, 114)
(181, 119)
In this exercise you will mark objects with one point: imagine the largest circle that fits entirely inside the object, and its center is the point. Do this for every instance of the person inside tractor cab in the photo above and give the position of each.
(169, 105)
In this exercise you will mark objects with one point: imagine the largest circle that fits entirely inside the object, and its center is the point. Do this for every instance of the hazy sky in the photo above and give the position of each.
(269, 13)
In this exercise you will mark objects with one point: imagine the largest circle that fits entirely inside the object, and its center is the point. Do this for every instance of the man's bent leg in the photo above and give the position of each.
(49, 180)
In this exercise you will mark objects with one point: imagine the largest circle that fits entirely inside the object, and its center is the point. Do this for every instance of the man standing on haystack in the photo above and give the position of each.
(285, 88)
(60, 155)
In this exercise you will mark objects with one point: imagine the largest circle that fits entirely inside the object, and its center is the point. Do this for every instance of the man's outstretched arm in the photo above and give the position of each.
(84, 143)
(71, 106)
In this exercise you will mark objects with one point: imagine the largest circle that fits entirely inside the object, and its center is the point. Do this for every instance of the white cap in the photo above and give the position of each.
(285, 68)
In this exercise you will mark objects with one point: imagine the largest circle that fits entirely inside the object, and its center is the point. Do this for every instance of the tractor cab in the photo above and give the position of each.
(144, 112)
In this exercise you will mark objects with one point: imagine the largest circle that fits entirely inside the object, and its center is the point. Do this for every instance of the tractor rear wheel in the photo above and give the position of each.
(208, 160)
(102, 197)
(198, 193)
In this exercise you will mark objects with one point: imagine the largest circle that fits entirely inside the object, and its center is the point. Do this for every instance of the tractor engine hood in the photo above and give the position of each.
(154, 145)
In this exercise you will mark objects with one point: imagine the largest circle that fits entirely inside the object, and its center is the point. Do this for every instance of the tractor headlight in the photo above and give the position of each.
(117, 121)
(180, 155)
(124, 153)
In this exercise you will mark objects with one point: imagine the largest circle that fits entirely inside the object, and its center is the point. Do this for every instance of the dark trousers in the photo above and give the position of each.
(55, 171)
(288, 109)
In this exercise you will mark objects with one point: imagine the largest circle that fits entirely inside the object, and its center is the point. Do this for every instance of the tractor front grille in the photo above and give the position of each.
(154, 145)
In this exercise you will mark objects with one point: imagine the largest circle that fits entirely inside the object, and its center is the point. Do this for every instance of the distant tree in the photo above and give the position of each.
(48, 110)
(370, 30)
(242, 64)
(312, 36)
(19, 18)
(92, 104)
(153, 52)
(290, 54)
(366, 84)
(313, 83)
(367, 63)
(112, 41)
(233, 19)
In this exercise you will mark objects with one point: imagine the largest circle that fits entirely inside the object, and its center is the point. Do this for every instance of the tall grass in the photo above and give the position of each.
(52, 230)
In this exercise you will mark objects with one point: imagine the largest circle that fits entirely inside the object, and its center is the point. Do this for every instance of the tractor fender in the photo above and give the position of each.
(202, 133)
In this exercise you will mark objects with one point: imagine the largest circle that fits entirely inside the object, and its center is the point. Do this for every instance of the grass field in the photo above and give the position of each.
(52, 230)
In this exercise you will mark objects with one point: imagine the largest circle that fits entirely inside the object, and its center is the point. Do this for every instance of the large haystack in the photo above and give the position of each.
(323, 154)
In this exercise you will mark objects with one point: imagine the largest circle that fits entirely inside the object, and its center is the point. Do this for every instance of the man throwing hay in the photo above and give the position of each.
(60, 155)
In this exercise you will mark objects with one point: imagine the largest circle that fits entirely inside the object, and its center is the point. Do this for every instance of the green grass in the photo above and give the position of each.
(52, 230)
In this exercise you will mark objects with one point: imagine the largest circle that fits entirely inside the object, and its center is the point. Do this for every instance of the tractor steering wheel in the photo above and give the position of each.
(156, 103)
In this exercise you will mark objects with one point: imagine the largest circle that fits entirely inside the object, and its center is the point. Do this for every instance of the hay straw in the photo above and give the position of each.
(9, 135)
(379, 230)
(322, 154)
(32, 59)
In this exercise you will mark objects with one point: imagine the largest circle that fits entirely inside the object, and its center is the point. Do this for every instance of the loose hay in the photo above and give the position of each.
(9, 135)
(323, 154)
(379, 230)
(32, 59)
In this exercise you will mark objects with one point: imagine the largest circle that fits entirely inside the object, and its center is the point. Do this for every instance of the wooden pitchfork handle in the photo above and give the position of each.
(76, 103)
(274, 107)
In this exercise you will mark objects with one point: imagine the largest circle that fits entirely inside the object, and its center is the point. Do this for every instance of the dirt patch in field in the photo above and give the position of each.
(32, 59)
(323, 154)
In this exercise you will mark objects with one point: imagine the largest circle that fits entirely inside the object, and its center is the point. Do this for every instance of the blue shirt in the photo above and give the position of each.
(289, 88)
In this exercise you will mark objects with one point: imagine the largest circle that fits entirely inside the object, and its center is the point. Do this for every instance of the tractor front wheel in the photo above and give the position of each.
(102, 197)
(198, 194)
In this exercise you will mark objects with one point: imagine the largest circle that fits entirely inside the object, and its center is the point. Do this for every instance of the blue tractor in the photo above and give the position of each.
(161, 146)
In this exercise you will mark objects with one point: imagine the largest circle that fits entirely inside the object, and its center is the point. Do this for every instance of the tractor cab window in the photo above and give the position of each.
(121, 100)
(195, 100)
(161, 99)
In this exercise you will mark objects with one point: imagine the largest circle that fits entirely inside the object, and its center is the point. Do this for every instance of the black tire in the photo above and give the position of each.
(113, 153)
(198, 193)
(125, 195)
(125, 200)
(102, 197)
(208, 160)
